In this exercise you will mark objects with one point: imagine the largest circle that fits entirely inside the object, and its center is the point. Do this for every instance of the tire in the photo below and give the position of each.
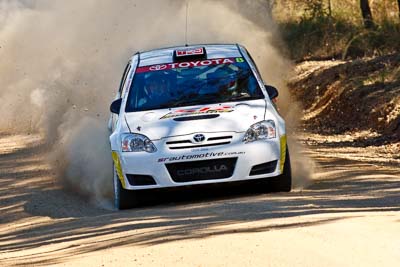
(123, 199)
(283, 182)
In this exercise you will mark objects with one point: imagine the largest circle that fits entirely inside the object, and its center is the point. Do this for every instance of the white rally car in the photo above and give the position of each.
(195, 115)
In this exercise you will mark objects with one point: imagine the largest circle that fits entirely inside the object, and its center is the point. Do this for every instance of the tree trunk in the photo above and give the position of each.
(367, 14)
(330, 8)
(398, 3)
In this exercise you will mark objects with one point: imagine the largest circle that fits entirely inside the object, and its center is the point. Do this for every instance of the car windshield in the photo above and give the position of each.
(192, 83)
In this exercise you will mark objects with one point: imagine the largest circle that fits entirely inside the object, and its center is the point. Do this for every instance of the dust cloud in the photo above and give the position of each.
(61, 61)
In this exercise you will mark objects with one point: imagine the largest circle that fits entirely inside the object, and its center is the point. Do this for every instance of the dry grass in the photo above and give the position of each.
(316, 32)
(349, 10)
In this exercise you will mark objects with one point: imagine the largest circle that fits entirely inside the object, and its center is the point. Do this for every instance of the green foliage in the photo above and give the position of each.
(314, 9)
(315, 37)
(313, 29)
(329, 37)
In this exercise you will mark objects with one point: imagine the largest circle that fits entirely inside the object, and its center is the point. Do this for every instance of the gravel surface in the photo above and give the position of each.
(349, 216)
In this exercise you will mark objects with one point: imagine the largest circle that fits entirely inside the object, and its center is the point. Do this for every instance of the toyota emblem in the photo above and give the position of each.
(158, 67)
(198, 138)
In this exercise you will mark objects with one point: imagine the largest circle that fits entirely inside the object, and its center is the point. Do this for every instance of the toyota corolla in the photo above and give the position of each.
(195, 115)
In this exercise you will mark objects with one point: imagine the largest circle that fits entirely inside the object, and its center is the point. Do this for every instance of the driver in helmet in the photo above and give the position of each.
(156, 90)
(156, 87)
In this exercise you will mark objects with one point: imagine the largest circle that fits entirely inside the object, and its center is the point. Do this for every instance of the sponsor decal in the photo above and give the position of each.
(203, 170)
(198, 111)
(283, 152)
(190, 52)
(118, 168)
(200, 156)
(189, 64)
(158, 67)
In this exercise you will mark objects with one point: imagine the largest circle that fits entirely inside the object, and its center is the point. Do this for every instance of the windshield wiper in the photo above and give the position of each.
(195, 101)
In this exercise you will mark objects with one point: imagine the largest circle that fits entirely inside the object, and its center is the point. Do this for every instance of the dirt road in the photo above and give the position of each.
(350, 216)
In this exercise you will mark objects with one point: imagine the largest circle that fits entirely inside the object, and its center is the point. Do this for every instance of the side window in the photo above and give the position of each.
(253, 62)
(258, 73)
(123, 79)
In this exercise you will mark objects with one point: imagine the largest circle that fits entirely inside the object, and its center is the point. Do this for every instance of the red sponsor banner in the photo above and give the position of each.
(189, 64)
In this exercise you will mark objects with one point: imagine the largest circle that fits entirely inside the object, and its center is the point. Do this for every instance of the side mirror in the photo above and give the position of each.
(116, 106)
(272, 91)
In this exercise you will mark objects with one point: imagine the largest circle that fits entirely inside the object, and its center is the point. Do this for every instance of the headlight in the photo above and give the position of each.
(260, 131)
(137, 143)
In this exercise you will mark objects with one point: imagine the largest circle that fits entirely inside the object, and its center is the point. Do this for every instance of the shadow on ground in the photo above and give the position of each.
(77, 227)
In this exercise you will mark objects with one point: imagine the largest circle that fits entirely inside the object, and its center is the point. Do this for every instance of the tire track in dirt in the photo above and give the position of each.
(43, 224)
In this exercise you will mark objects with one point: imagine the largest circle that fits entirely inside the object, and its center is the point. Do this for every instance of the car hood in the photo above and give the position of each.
(227, 117)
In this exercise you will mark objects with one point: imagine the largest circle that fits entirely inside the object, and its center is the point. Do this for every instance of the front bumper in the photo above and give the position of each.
(155, 165)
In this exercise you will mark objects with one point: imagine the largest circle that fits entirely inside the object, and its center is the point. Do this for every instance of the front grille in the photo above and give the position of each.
(196, 146)
(138, 179)
(264, 168)
(219, 138)
(188, 142)
(201, 170)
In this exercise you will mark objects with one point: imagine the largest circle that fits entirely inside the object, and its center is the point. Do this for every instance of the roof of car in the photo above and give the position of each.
(166, 55)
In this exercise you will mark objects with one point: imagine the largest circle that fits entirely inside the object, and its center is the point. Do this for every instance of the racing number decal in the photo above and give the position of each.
(118, 168)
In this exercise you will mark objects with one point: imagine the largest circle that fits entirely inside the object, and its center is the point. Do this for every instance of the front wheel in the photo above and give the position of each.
(283, 182)
(123, 199)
